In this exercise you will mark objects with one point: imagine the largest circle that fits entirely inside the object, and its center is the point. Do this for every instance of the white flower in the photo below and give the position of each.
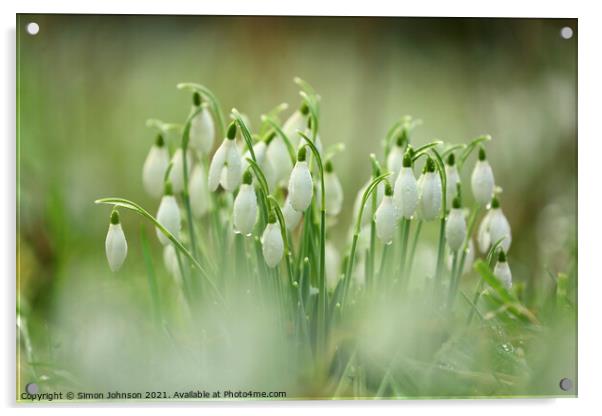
(176, 175)
(264, 162)
(170, 259)
(245, 207)
(273, 246)
(168, 216)
(202, 131)
(116, 247)
(226, 165)
(333, 262)
(453, 179)
(455, 228)
(333, 192)
(494, 227)
(502, 270)
(482, 180)
(430, 192)
(406, 190)
(395, 161)
(386, 217)
(291, 216)
(296, 122)
(367, 213)
(280, 159)
(153, 171)
(200, 199)
(300, 185)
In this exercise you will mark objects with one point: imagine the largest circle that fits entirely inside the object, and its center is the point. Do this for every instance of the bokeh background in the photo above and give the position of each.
(86, 85)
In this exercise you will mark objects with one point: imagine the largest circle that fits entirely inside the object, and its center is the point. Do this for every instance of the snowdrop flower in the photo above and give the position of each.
(277, 151)
(264, 162)
(295, 123)
(502, 270)
(333, 191)
(291, 216)
(430, 192)
(168, 215)
(245, 206)
(226, 165)
(333, 262)
(367, 214)
(455, 228)
(300, 185)
(386, 217)
(482, 180)
(395, 158)
(273, 246)
(202, 128)
(406, 189)
(170, 259)
(115, 245)
(200, 200)
(494, 227)
(153, 171)
(176, 174)
(453, 178)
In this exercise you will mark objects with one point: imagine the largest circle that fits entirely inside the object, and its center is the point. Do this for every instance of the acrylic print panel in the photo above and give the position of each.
(237, 208)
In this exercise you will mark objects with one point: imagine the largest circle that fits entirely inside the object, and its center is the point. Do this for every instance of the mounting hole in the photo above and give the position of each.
(566, 384)
(32, 28)
(566, 32)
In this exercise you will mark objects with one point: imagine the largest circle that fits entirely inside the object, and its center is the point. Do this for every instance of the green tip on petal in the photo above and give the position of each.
(270, 137)
(388, 189)
(328, 167)
(168, 189)
(401, 139)
(495, 203)
(451, 159)
(407, 159)
(482, 154)
(231, 131)
(430, 165)
(159, 142)
(501, 257)
(271, 217)
(196, 99)
(115, 217)
(247, 177)
(302, 154)
(304, 109)
(456, 204)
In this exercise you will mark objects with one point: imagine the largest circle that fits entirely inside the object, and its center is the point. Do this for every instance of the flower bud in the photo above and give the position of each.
(153, 171)
(245, 207)
(333, 191)
(226, 165)
(116, 247)
(200, 199)
(273, 246)
(300, 184)
(453, 178)
(406, 191)
(482, 180)
(502, 270)
(277, 154)
(176, 175)
(291, 216)
(386, 217)
(260, 150)
(202, 129)
(395, 159)
(296, 122)
(455, 227)
(494, 227)
(430, 192)
(168, 216)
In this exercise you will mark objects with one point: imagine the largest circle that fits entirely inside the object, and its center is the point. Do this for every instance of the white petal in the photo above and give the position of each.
(483, 237)
(405, 195)
(176, 175)
(217, 164)
(430, 196)
(280, 159)
(232, 171)
(455, 229)
(453, 178)
(367, 214)
(333, 194)
(168, 216)
(170, 260)
(200, 199)
(291, 216)
(116, 247)
(273, 247)
(386, 220)
(296, 122)
(482, 182)
(202, 131)
(300, 187)
(502, 271)
(153, 172)
(499, 228)
(395, 162)
(245, 210)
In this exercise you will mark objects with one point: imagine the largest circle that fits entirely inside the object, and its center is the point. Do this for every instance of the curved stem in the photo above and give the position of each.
(246, 134)
(215, 105)
(283, 136)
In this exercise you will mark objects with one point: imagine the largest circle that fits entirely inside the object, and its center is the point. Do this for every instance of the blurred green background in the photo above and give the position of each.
(86, 85)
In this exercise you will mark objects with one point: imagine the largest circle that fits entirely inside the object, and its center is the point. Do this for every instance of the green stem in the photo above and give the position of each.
(413, 252)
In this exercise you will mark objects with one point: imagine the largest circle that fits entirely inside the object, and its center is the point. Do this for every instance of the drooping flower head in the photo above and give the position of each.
(406, 189)
(333, 191)
(264, 162)
(245, 206)
(455, 227)
(300, 186)
(202, 127)
(396, 155)
(176, 174)
(482, 180)
(273, 246)
(453, 178)
(200, 199)
(494, 227)
(168, 215)
(502, 270)
(430, 192)
(226, 165)
(291, 216)
(116, 247)
(386, 216)
(153, 171)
